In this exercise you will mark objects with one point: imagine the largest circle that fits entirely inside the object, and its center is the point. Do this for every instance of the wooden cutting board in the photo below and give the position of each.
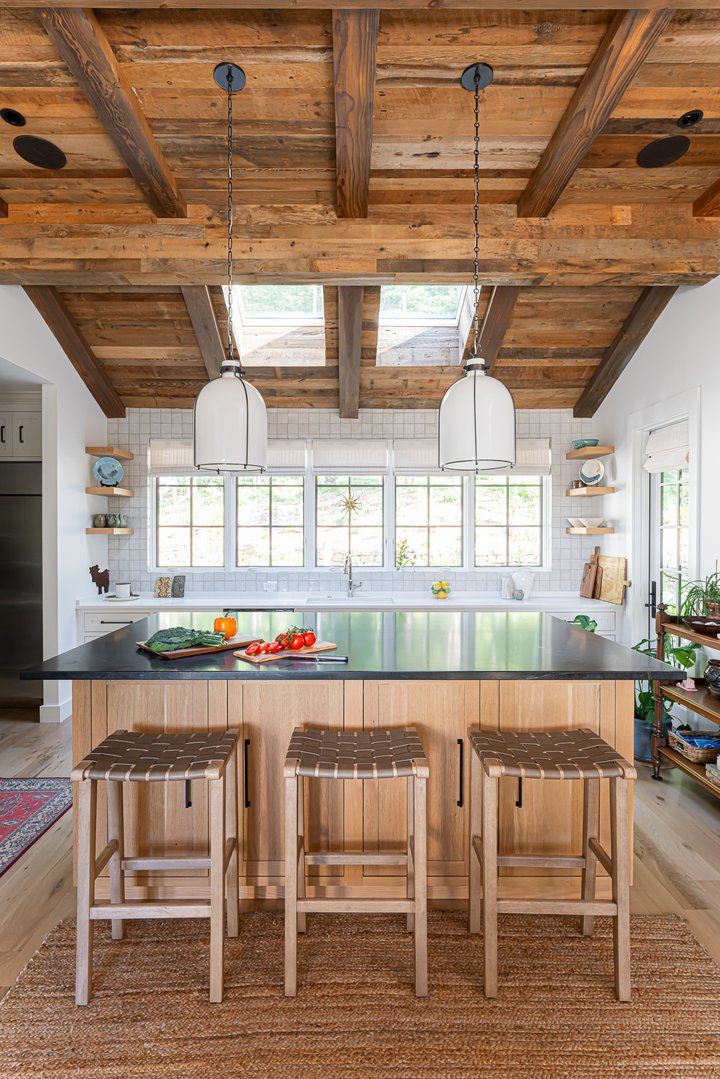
(612, 580)
(589, 577)
(184, 653)
(319, 646)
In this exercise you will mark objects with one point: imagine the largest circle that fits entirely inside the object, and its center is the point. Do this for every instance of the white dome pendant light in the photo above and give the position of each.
(476, 422)
(230, 422)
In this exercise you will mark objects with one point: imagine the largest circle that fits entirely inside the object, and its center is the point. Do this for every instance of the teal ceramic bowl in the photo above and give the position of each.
(581, 443)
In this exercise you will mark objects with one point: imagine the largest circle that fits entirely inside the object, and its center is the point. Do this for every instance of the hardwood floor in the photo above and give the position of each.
(677, 851)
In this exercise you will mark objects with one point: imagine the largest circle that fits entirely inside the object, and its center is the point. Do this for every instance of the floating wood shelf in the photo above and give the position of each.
(696, 771)
(109, 451)
(109, 531)
(111, 492)
(589, 492)
(701, 701)
(589, 531)
(589, 453)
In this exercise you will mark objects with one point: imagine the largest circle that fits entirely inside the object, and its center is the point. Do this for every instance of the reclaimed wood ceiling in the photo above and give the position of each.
(353, 148)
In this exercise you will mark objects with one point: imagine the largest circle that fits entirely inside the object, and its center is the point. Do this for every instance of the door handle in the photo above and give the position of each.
(246, 763)
(20, 433)
(461, 783)
(652, 605)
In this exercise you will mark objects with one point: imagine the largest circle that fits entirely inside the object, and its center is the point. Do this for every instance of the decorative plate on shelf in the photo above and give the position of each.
(591, 472)
(108, 472)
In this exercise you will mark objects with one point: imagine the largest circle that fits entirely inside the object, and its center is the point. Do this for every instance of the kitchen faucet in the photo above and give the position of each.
(347, 570)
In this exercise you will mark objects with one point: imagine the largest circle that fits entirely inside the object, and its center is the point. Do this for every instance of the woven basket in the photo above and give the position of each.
(695, 754)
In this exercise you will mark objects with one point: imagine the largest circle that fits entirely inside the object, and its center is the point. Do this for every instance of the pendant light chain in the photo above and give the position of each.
(231, 340)
(476, 219)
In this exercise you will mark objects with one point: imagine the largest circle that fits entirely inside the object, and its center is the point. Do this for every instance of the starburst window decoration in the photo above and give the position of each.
(350, 504)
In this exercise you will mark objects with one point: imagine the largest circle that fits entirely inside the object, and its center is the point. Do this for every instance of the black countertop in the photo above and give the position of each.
(396, 644)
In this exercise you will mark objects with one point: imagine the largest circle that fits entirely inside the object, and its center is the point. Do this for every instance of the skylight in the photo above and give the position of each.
(294, 305)
(421, 305)
(279, 325)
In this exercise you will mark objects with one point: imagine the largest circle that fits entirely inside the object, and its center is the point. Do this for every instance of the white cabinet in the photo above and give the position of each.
(27, 435)
(6, 434)
(98, 623)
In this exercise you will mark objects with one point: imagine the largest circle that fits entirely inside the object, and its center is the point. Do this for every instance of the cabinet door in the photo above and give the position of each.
(441, 712)
(267, 714)
(27, 434)
(6, 437)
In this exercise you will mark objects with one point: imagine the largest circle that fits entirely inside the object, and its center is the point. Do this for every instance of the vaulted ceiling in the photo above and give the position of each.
(353, 154)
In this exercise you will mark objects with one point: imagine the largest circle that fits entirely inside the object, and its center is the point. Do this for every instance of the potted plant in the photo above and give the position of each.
(700, 599)
(680, 655)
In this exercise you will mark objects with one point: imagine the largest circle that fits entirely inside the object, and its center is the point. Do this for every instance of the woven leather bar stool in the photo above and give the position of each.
(552, 755)
(156, 758)
(326, 754)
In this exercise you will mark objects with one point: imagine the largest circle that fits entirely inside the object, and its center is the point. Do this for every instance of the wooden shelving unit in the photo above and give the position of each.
(109, 451)
(589, 453)
(109, 531)
(589, 492)
(111, 492)
(590, 531)
(701, 702)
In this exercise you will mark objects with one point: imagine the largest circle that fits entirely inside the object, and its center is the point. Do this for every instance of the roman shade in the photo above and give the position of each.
(668, 448)
(421, 455)
(350, 454)
(174, 456)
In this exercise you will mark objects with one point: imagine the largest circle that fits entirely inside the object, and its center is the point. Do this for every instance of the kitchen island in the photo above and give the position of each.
(441, 672)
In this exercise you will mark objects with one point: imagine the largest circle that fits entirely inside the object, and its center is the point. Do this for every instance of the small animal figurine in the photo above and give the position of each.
(101, 580)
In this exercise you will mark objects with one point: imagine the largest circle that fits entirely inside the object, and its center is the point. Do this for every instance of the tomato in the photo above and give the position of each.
(309, 638)
(274, 647)
(254, 648)
(297, 642)
(265, 646)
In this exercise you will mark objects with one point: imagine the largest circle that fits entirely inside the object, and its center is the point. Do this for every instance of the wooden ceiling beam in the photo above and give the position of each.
(496, 323)
(82, 44)
(350, 318)
(3, 208)
(355, 38)
(627, 43)
(708, 204)
(202, 315)
(637, 325)
(71, 341)
(375, 5)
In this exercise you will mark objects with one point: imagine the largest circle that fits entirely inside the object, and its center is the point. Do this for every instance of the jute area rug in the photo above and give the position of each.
(356, 1015)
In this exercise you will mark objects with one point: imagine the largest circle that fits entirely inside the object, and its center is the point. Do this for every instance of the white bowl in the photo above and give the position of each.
(592, 522)
(575, 522)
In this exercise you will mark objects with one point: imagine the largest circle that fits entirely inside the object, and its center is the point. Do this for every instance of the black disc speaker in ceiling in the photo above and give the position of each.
(12, 117)
(661, 152)
(40, 152)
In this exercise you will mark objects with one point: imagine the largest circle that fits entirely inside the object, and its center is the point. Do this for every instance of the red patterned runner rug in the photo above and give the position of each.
(28, 807)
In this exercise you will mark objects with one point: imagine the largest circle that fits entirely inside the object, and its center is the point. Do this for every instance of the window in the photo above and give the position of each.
(421, 305)
(270, 519)
(428, 520)
(190, 516)
(674, 535)
(349, 520)
(508, 520)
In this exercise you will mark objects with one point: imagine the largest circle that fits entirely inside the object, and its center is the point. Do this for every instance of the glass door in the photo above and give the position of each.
(669, 540)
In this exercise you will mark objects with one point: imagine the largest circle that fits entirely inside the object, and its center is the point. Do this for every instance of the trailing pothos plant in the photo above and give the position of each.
(679, 655)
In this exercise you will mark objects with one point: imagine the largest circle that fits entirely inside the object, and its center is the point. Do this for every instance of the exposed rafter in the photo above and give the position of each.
(73, 344)
(637, 325)
(85, 49)
(350, 318)
(708, 204)
(3, 208)
(498, 317)
(628, 41)
(202, 315)
(355, 36)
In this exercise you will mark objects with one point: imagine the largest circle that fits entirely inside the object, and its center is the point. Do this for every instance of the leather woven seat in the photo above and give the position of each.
(355, 754)
(143, 757)
(578, 754)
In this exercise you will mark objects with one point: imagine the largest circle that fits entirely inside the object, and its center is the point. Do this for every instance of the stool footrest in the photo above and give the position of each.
(557, 906)
(356, 906)
(533, 861)
(179, 908)
(189, 862)
(351, 858)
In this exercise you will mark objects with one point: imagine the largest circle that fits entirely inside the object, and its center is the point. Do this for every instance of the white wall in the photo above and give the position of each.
(675, 370)
(71, 420)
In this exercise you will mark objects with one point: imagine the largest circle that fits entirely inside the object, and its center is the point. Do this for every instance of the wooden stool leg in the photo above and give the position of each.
(301, 918)
(116, 831)
(620, 840)
(86, 806)
(410, 886)
(489, 879)
(217, 887)
(291, 831)
(420, 882)
(591, 830)
(232, 881)
(475, 868)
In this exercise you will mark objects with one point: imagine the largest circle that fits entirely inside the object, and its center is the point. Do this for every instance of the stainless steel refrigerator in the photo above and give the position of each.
(21, 642)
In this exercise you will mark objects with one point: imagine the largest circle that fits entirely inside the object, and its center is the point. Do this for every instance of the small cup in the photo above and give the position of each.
(577, 484)
(113, 520)
(122, 590)
(99, 520)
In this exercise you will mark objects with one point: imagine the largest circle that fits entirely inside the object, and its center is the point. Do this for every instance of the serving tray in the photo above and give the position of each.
(203, 650)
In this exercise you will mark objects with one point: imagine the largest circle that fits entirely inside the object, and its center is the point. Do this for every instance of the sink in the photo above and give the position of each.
(367, 600)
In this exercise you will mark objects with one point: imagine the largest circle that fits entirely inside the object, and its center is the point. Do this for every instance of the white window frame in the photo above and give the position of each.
(388, 473)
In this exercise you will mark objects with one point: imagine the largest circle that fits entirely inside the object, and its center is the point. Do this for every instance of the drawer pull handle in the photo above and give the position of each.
(109, 622)
(461, 785)
(188, 799)
(2, 433)
(246, 748)
(20, 433)
(518, 800)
